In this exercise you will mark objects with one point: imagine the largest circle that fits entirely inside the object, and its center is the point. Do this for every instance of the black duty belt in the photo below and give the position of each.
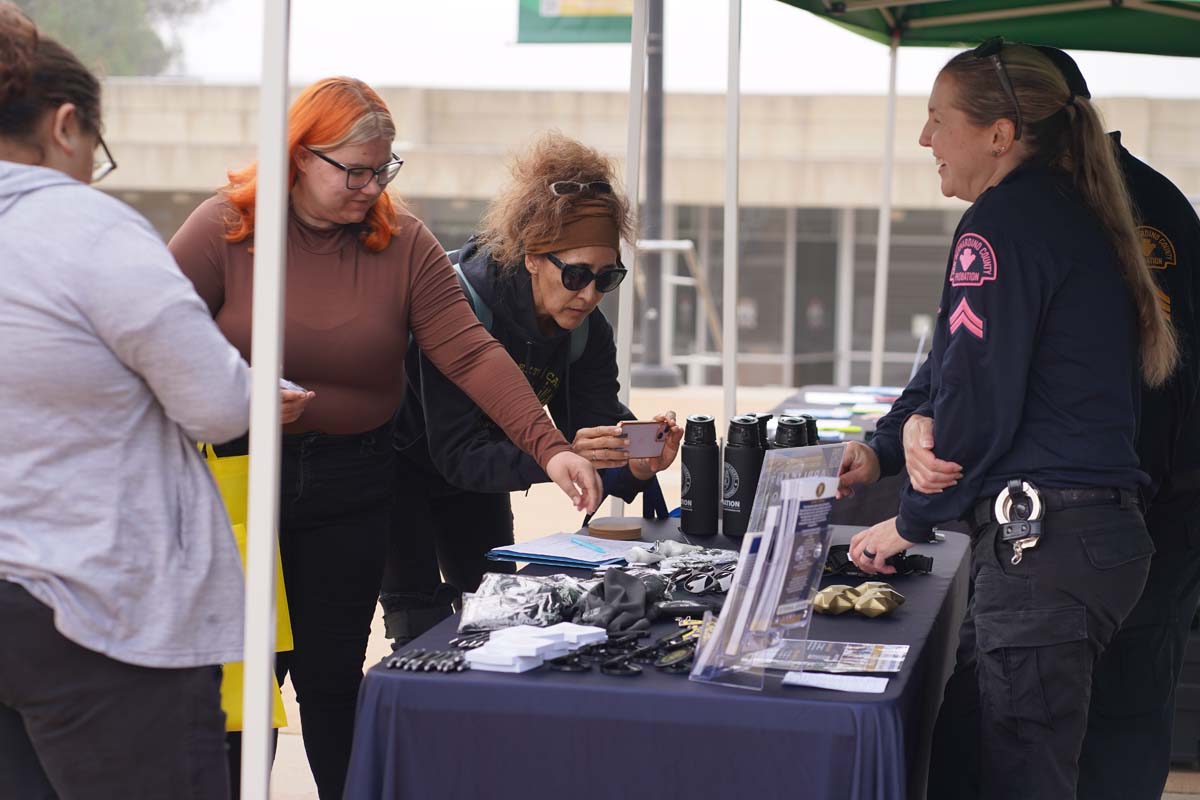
(1059, 499)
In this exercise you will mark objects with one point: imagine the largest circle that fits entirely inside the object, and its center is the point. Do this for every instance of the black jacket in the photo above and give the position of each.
(1169, 438)
(1033, 372)
(1168, 442)
(446, 441)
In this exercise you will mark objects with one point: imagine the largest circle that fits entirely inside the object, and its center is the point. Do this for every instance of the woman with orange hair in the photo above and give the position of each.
(362, 275)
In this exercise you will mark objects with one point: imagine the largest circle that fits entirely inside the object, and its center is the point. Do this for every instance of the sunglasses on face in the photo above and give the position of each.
(577, 276)
(358, 177)
(575, 187)
(991, 50)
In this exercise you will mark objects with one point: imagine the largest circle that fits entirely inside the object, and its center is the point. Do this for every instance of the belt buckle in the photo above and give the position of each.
(1019, 511)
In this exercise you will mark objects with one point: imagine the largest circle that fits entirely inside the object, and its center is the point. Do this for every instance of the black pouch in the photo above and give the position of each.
(839, 563)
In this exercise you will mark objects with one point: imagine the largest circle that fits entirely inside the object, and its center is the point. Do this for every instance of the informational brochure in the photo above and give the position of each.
(817, 656)
(779, 570)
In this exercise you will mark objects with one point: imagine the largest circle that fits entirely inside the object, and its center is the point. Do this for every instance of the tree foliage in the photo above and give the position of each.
(115, 37)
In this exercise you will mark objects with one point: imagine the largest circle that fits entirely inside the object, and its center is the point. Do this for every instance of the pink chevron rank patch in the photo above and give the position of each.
(964, 317)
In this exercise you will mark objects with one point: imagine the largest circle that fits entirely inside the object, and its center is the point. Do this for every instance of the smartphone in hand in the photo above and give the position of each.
(645, 439)
(284, 383)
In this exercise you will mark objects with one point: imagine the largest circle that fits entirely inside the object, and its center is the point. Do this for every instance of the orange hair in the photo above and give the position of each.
(328, 114)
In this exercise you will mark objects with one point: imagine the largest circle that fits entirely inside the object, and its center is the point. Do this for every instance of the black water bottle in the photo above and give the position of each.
(743, 462)
(814, 436)
(791, 432)
(699, 501)
(763, 437)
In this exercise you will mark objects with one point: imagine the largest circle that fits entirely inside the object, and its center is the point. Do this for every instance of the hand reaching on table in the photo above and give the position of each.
(870, 549)
(577, 478)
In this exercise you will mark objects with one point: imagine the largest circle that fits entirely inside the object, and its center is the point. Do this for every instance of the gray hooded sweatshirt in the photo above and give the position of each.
(111, 369)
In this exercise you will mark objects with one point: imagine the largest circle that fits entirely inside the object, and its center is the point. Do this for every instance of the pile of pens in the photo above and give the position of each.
(422, 660)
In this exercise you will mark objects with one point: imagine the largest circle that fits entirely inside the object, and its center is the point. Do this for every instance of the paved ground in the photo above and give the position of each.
(544, 510)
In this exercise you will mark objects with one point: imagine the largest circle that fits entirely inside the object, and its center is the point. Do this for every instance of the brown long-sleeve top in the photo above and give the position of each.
(347, 317)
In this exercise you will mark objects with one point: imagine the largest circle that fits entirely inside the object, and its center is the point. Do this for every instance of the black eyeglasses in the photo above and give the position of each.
(575, 187)
(577, 276)
(991, 50)
(358, 177)
(102, 162)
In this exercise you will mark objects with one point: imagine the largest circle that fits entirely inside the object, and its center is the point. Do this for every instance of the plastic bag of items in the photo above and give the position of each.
(505, 600)
(687, 567)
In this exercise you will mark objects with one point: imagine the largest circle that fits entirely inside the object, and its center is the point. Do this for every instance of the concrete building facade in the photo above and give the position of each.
(810, 184)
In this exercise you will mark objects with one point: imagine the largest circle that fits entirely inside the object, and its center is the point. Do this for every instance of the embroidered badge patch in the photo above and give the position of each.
(974, 261)
(1157, 249)
(964, 317)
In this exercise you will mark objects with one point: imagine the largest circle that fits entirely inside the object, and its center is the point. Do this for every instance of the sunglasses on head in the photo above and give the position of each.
(575, 187)
(991, 50)
(576, 276)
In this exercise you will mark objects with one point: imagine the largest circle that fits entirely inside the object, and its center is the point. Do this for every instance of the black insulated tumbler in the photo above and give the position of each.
(701, 491)
(764, 437)
(814, 436)
(744, 455)
(791, 432)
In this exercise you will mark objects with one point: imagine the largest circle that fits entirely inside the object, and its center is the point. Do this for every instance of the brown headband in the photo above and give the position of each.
(586, 223)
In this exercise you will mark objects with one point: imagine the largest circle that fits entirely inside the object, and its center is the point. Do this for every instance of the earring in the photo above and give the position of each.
(997, 152)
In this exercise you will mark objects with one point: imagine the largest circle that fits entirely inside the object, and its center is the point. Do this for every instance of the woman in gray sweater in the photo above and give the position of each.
(120, 583)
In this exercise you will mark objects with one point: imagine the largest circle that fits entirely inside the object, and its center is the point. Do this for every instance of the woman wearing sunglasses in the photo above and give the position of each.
(547, 254)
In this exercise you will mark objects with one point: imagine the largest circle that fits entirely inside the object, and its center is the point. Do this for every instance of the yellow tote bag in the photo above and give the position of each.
(232, 477)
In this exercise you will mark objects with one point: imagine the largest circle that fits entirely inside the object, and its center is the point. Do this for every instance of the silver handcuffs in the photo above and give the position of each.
(1019, 511)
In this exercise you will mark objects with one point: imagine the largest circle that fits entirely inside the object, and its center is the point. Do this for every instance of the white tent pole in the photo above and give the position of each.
(626, 324)
(884, 238)
(789, 297)
(733, 105)
(265, 355)
(843, 337)
(633, 177)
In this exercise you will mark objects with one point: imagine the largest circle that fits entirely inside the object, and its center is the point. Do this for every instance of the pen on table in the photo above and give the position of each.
(588, 545)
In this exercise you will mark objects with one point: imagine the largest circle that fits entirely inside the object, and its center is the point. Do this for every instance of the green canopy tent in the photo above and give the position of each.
(1160, 27)
(1157, 27)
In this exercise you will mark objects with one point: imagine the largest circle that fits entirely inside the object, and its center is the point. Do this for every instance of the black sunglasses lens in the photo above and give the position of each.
(609, 279)
(600, 187)
(575, 277)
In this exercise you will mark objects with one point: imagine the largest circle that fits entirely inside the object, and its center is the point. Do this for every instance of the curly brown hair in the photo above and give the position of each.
(527, 210)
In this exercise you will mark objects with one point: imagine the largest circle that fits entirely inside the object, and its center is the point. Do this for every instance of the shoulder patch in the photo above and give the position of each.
(1157, 248)
(974, 261)
(965, 317)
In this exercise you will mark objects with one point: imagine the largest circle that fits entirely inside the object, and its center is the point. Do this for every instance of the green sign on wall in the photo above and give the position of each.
(557, 21)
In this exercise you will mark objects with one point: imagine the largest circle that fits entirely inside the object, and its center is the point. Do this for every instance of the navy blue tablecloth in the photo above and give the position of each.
(545, 734)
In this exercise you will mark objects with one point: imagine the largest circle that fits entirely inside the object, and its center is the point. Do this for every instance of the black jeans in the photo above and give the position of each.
(435, 531)
(1127, 750)
(1015, 709)
(334, 515)
(77, 725)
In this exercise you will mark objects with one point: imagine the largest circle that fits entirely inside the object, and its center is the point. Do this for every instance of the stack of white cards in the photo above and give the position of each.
(526, 647)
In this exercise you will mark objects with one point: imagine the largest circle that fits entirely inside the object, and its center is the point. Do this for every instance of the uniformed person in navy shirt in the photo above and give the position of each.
(1048, 327)
(1126, 753)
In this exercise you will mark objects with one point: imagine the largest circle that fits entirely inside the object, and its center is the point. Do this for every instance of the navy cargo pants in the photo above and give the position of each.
(1127, 751)
(1015, 709)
